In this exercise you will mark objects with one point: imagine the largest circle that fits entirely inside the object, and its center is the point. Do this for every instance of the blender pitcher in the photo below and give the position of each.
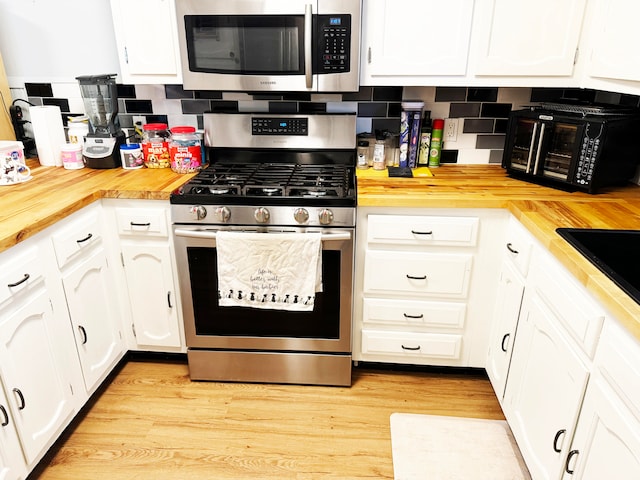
(101, 148)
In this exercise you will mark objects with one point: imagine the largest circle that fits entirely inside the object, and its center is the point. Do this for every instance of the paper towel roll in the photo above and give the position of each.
(48, 132)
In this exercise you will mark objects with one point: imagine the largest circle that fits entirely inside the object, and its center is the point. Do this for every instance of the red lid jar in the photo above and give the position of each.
(155, 145)
(185, 150)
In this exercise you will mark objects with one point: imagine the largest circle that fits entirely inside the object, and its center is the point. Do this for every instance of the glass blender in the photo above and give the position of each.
(101, 148)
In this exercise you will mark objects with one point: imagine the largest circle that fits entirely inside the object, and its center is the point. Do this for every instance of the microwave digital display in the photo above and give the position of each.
(335, 21)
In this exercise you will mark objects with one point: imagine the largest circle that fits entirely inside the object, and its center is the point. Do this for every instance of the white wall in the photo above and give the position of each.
(57, 40)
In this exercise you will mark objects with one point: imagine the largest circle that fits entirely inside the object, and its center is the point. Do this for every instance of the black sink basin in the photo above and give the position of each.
(615, 252)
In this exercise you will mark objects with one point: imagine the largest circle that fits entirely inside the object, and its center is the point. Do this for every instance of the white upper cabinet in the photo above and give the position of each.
(527, 38)
(146, 37)
(610, 58)
(414, 39)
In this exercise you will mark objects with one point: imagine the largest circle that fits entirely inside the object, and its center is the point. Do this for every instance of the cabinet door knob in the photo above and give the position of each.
(5, 422)
(20, 397)
(83, 332)
(504, 340)
(559, 433)
(19, 282)
(169, 299)
(572, 453)
(85, 239)
(411, 277)
(511, 249)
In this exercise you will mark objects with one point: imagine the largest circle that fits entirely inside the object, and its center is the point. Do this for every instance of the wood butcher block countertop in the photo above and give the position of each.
(54, 193)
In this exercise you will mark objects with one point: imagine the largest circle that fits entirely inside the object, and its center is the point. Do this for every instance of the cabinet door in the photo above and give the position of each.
(503, 333)
(90, 298)
(146, 36)
(151, 294)
(614, 37)
(528, 38)
(39, 393)
(12, 465)
(546, 385)
(607, 439)
(415, 37)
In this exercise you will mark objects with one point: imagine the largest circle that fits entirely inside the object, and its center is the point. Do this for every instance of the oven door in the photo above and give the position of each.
(208, 325)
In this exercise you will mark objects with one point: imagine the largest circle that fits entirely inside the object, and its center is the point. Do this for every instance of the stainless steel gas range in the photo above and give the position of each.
(269, 174)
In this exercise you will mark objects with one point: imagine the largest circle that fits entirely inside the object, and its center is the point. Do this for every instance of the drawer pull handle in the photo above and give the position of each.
(555, 440)
(134, 224)
(19, 282)
(415, 232)
(572, 453)
(411, 277)
(85, 239)
(5, 422)
(511, 249)
(406, 315)
(21, 398)
(504, 339)
(413, 349)
(83, 332)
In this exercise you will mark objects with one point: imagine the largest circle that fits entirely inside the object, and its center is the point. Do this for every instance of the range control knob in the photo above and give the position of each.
(261, 215)
(325, 217)
(301, 215)
(222, 214)
(198, 211)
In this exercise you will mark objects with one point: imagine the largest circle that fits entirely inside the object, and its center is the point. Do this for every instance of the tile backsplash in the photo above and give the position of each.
(480, 113)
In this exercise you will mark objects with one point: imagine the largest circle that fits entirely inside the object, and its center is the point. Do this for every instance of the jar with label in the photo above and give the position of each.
(185, 150)
(363, 154)
(155, 145)
(131, 156)
(379, 162)
(71, 155)
(78, 129)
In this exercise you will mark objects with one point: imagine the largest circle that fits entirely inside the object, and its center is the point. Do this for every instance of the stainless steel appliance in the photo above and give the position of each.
(101, 147)
(573, 147)
(269, 174)
(272, 45)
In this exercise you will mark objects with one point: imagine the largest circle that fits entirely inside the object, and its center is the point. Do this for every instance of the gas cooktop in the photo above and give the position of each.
(270, 184)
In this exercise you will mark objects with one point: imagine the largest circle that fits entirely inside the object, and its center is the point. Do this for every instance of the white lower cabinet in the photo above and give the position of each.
(12, 466)
(425, 285)
(607, 439)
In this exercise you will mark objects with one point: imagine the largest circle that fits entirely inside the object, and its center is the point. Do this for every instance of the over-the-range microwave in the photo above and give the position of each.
(270, 45)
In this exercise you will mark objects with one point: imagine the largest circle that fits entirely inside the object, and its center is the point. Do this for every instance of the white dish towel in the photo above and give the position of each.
(279, 271)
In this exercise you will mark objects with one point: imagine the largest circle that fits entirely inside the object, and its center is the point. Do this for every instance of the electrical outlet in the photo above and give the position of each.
(450, 133)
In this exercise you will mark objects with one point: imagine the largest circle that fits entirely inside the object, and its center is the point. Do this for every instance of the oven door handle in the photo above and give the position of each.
(185, 232)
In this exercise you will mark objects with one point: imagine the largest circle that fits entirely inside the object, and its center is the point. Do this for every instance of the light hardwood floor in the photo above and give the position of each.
(152, 422)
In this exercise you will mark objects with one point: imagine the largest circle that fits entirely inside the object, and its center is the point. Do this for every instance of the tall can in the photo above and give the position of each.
(436, 143)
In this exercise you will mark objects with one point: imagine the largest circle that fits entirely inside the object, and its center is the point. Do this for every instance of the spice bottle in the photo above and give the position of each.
(379, 153)
(155, 145)
(363, 154)
(185, 150)
(436, 143)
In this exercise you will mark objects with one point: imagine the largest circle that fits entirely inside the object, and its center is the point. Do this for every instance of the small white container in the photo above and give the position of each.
(71, 154)
(131, 156)
(78, 129)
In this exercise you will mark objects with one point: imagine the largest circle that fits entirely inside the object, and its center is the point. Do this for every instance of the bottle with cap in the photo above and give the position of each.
(363, 153)
(436, 143)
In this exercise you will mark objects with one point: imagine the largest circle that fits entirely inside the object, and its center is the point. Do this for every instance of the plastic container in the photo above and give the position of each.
(363, 155)
(10, 149)
(436, 143)
(379, 162)
(71, 155)
(78, 129)
(185, 150)
(131, 156)
(155, 145)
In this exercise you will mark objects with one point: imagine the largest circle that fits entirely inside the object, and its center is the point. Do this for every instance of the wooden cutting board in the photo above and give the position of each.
(6, 128)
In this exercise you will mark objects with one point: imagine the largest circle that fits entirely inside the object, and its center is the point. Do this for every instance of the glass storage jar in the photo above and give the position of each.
(185, 150)
(155, 145)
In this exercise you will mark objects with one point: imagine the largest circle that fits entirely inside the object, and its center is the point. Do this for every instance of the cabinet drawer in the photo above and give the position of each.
(417, 273)
(19, 272)
(422, 230)
(142, 221)
(518, 246)
(437, 345)
(413, 313)
(580, 315)
(79, 235)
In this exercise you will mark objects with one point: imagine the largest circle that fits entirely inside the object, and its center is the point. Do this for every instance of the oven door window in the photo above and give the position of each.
(562, 147)
(523, 149)
(246, 44)
(211, 319)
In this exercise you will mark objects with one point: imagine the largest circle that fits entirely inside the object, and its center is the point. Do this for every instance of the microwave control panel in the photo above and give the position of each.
(334, 39)
(588, 153)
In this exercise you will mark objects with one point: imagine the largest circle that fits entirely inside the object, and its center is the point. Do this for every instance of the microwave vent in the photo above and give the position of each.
(587, 109)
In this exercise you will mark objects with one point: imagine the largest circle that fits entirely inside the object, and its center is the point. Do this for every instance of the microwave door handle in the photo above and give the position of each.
(533, 139)
(308, 67)
(540, 139)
